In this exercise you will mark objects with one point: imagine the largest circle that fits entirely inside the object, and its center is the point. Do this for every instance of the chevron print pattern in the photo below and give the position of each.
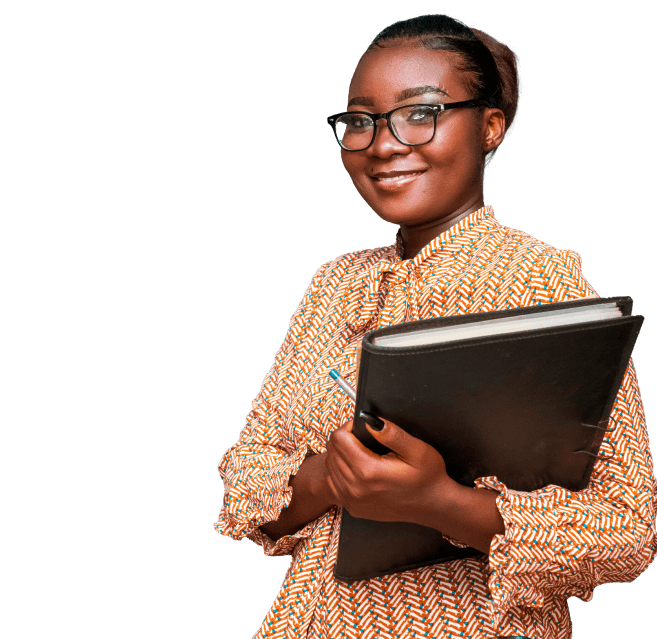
(557, 543)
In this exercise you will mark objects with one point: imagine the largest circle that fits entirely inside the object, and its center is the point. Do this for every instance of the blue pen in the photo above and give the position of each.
(372, 420)
(343, 384)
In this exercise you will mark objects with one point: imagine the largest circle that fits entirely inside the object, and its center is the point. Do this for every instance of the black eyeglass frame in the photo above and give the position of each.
(437, 109)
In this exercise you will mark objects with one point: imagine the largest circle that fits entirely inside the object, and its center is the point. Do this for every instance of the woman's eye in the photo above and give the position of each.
(357, 121)
(420, 116)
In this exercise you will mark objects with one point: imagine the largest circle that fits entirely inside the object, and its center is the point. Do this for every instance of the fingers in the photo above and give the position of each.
(353, 466)
(347, 457)
(406, 447)
(339, 487)
(339, 466)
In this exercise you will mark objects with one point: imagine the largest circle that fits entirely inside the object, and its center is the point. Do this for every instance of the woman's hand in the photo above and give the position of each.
(393, 487)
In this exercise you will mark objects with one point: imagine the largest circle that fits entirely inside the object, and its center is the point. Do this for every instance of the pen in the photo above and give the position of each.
(343, 384)
(372, 420)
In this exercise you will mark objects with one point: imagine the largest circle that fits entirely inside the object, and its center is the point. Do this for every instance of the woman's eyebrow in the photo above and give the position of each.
(400, 97)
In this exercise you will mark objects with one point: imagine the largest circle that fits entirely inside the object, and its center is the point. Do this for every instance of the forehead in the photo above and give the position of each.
(382, 73)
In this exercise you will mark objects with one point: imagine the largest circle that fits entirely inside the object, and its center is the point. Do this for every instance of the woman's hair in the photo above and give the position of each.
(489, 65)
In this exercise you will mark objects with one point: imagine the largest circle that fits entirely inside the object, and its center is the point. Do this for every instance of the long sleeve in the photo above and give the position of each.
(563, 543)
(556, 542)
(257, 469)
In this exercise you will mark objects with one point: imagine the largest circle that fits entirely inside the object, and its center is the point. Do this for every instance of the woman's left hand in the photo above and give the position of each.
(398, 486)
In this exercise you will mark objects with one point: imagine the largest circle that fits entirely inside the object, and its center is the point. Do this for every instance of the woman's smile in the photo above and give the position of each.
(395, 180)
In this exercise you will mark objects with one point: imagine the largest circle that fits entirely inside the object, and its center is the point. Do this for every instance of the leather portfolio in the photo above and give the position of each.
(530, 406)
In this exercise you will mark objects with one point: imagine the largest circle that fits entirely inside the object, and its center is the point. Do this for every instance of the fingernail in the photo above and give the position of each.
(372, 420)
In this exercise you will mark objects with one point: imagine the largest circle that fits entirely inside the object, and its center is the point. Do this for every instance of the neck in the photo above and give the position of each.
(415, 238)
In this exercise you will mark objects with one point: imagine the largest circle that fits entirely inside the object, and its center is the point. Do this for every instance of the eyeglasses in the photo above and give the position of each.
(412, 125)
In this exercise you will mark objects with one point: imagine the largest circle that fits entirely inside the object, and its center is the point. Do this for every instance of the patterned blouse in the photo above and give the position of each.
(557, 543)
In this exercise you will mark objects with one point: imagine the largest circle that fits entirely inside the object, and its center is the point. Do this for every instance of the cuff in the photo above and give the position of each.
(286, 544)
(254, 497)
(238, 529)
(530, 557)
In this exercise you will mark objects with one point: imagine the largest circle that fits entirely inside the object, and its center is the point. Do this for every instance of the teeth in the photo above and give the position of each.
(398, 177)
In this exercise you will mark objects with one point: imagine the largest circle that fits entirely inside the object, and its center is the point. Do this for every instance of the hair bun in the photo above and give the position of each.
(505, 60)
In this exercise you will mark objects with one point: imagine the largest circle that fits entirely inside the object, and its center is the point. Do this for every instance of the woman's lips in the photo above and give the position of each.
(393, 180)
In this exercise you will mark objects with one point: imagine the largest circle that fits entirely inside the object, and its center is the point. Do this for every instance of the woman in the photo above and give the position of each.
(297, 464)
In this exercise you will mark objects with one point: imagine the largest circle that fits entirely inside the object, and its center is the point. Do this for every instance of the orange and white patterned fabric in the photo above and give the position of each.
(557, 543)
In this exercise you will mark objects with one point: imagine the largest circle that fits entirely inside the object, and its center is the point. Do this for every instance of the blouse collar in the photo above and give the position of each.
(467, 232)
(360, 302)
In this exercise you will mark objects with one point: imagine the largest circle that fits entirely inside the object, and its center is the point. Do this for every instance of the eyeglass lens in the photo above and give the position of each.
(412, 125)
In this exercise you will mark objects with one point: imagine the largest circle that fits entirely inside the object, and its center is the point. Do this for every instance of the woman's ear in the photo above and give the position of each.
(494, 127)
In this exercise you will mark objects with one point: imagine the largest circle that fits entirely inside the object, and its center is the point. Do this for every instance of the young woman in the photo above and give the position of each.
(429, 103)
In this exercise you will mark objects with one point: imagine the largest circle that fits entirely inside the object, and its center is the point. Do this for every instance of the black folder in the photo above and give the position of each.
(530, 407)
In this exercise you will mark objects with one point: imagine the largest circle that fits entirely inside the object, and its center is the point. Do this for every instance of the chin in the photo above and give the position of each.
(399, 210)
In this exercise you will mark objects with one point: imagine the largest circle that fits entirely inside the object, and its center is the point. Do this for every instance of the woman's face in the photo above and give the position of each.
(421, 185)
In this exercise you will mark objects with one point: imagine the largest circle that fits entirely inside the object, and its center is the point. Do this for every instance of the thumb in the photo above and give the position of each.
(406, 446)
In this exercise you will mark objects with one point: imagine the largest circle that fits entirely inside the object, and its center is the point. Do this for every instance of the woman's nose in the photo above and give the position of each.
(385, 143)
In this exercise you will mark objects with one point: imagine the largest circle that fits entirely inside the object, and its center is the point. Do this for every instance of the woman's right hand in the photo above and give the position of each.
(330, 459)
